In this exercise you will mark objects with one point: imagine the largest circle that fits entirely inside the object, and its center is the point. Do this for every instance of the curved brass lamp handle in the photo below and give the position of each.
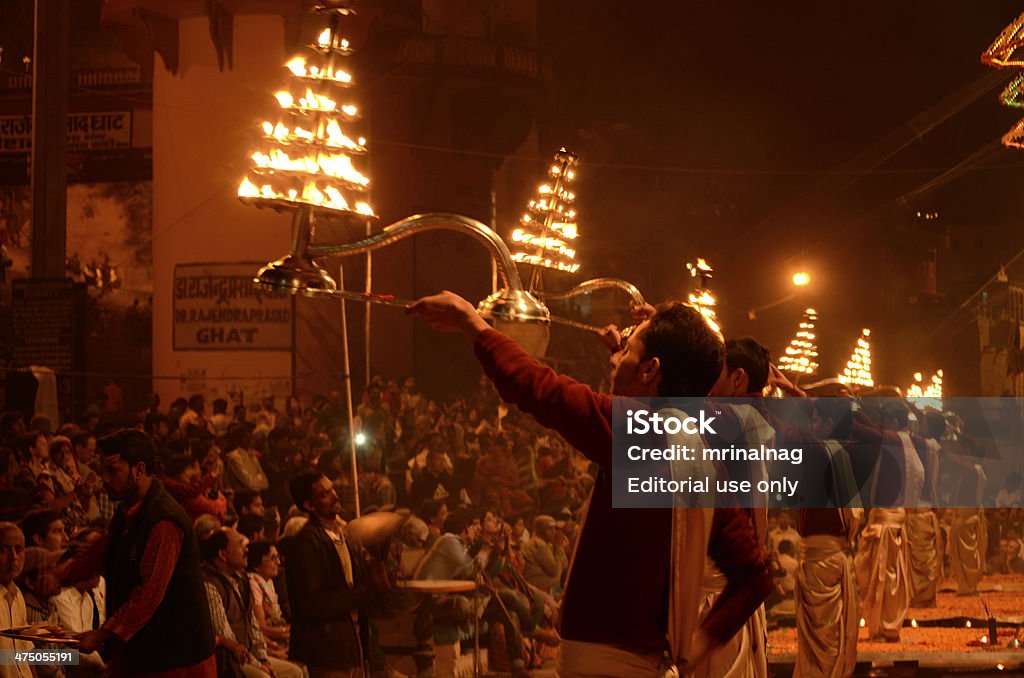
(433, 221)
(593, 285)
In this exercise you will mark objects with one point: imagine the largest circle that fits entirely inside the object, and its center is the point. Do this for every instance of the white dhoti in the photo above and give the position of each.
(745, 655)
(826, 608)
(881, 566)
(967, 545)
(924, 565)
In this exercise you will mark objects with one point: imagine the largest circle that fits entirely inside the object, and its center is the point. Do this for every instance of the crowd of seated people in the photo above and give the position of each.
(463, 472)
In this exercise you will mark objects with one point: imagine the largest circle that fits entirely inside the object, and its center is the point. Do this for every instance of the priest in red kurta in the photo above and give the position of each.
(621, 614)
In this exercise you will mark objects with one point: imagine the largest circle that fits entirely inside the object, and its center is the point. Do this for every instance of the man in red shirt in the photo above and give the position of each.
(615, 615)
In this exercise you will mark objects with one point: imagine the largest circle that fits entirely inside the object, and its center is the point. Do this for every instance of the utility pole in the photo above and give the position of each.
(49, 169)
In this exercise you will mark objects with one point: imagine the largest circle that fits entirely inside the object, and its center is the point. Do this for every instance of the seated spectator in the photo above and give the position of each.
(264, 565)
(14, 501)
(81, 506)
(12, 427)
(157, 425)
(284, 460)
(249, 503)
(434, 481)
(13, 613)
(205, 525)
(375, 490)
(243, 469)
(434, 512)
(212, 466)
(220, 420)
(194, 415)
(997, 561)
(229, 595)
(45, 528)
(184, 483)
(252, 527)
(544, 555)
(1008, 559)
(82, 607)
(1011, 495)
(497, 475)
(36, 588)
(452, 557)
(530, 604)
(34, 456)
(520, 535)
(41, 423)
(38, 585)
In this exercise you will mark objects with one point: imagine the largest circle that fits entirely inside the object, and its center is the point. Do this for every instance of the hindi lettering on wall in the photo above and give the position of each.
(218, 308)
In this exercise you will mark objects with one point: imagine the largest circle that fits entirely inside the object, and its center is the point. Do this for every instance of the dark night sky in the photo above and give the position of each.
(715, 129)
(773, 97)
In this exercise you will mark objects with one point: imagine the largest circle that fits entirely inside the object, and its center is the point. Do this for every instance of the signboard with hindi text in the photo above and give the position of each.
(218, 308)
(86, 131)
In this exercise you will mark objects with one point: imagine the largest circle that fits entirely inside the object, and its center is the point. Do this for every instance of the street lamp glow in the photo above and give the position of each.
(360, 439)
(801, 279)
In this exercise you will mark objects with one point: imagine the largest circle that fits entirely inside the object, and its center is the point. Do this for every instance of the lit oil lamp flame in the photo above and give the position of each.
(338, 166)
(247, 189)
(300, 69)
(310, 101)
(330, 197)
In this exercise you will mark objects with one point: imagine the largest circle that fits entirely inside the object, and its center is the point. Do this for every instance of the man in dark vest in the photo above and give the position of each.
(158, 622)
(228, 592)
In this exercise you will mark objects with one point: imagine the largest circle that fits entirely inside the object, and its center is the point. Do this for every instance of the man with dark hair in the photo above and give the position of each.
(12, 427)
(433, 512)
(157, 425)
(325, 586)
(85, 450)
(229, 595)
(450, 557)
(673, 352)
(45, 528)
(251, 527)
(746, 370)
(825, 582)
(924, 534)
(150, 559)
(281, 463)
(897, 484)
(13, 612)
(434, 481)
(194, 416)
(249, 503)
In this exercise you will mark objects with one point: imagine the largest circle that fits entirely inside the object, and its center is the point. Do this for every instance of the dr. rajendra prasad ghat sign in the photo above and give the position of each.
(218, 308)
